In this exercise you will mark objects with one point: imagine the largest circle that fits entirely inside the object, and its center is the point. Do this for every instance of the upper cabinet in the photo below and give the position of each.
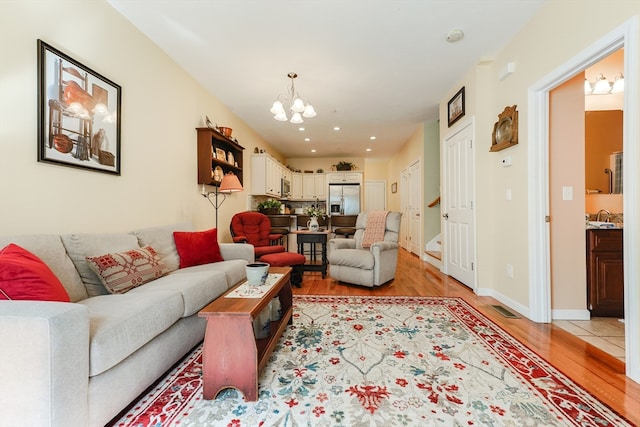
(350, 177)
(314, 186)
(217, 156)
(266, 176)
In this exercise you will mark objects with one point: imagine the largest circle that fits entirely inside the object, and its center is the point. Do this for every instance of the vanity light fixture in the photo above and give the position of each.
(294, 103)
(602, 86)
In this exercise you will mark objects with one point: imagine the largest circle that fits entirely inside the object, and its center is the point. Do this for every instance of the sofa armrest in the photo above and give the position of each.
(237, 251)
(44, 362)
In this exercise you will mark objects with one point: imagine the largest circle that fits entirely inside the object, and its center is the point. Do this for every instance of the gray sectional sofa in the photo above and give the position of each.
(81, 363)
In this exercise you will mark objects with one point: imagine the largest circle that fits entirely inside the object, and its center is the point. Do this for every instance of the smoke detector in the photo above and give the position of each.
(454, 36)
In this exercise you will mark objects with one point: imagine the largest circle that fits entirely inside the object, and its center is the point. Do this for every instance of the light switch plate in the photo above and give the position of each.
(567, 193)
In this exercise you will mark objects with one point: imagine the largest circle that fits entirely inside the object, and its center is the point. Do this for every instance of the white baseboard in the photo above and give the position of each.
(510, 303)
(570, 315)
(433, 261)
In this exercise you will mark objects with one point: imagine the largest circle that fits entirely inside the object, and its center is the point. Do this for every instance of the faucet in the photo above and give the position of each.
(601, 211)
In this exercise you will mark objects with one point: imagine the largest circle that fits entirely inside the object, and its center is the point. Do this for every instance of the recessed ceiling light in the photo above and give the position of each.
(313, 151)
(301, 129)
(336, 128)
(372, 138)
(307, 139)
(368, 149)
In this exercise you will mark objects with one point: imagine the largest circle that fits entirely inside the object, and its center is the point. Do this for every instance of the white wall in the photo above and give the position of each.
(161, 107)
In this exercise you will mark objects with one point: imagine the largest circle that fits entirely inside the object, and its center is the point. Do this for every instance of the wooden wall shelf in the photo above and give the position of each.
(210, 144)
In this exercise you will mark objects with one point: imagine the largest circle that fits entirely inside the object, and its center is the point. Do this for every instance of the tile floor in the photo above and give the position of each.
(606, 333)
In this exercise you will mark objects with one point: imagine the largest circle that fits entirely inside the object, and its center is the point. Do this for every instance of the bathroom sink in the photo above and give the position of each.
(601, 224)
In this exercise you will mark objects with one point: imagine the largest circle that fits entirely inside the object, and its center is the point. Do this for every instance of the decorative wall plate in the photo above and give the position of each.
(505, 130)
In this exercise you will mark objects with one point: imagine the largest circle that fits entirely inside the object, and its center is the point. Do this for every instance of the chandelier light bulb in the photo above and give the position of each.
(277, 108)
(309, 111)
(281, 116)
(297, 106)
(296, 119)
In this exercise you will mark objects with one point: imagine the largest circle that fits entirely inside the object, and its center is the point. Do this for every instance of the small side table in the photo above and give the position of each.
(313, 237)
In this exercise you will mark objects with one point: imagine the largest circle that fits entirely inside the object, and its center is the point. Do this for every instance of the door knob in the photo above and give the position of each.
(445, 216)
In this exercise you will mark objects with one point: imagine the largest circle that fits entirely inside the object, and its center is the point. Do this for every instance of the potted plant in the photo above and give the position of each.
(344, 166)
(270, 207)
(315, 212)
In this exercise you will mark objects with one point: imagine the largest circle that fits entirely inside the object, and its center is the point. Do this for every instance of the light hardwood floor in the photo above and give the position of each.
(596, 371)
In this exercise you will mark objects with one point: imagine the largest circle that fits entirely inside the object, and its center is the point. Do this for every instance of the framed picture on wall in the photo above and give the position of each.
(78, 114)
(455, 107)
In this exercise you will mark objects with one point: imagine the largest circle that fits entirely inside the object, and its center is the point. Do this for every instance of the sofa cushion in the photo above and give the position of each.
(121, 324)
(198, 247)
(161, 239)
(81, 246)
(120, 272)
(233, 269)
(49, 248)
(196, 286)
(23, 276)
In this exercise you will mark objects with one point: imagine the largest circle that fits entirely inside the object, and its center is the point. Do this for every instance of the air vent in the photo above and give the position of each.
(506, 313)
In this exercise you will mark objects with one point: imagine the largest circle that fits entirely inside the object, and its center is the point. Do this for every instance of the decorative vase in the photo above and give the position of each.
(312, 224)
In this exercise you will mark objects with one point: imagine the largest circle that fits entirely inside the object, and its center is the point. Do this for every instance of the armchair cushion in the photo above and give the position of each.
(255, 228)
(353, 258)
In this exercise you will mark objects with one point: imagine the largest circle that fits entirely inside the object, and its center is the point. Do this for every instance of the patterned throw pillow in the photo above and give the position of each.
(121, 272)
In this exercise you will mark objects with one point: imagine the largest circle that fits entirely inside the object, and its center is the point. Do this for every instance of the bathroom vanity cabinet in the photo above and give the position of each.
(605, 273)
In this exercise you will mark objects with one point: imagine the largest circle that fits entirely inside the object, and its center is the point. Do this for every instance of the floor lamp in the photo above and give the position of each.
(229, 184)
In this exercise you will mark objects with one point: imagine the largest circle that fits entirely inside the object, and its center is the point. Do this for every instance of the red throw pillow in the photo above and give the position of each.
(23, 276)
(198, 247)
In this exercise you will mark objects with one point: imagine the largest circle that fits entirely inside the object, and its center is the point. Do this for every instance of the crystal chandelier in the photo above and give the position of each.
(292, 102)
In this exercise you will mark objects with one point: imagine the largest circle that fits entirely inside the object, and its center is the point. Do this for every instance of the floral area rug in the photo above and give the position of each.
(383, 361)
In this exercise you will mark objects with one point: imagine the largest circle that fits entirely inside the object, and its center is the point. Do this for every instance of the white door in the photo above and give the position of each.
(404, 208)
(415, 207)
(457, 201)
(375, 195)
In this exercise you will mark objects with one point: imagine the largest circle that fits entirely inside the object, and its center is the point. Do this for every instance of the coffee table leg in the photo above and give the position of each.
(230, 356)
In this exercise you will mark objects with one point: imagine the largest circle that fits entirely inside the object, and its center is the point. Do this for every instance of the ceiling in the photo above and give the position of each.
(371, 67)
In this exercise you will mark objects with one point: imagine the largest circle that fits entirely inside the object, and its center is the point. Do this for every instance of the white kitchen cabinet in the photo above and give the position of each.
(350, 177)
(296, 186)
(313, 186)
(266, 175)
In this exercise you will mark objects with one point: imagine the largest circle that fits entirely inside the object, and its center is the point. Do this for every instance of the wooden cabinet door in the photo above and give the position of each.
(605, 273)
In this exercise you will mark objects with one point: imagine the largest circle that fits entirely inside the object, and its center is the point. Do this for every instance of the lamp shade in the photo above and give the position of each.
(230, 184)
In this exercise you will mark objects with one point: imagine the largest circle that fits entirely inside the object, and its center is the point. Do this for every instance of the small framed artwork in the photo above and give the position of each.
(221, 155)
(394, 187)
(78, 114)
(455, 107)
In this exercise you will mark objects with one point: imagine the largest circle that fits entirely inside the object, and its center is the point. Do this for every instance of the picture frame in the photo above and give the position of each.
(394, 187)
(79, 114)
(455, 107)
(221, 155)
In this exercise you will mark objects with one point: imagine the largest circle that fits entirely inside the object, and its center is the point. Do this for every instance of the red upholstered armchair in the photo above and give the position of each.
(254, 228)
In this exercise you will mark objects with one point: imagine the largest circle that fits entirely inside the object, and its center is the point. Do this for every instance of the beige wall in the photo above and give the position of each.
(161, 107)
(558, 33)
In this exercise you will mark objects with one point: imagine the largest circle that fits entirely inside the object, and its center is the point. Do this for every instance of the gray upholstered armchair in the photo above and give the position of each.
(350, 262)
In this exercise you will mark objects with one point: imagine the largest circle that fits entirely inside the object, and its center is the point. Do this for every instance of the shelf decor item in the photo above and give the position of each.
(505, 130)
(344, 166)
(78, 114)
(455, 107)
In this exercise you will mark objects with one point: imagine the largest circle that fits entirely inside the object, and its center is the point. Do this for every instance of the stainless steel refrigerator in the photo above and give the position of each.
(344, 199)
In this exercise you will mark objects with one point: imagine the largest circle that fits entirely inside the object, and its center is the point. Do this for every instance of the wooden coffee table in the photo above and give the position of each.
(232, 356)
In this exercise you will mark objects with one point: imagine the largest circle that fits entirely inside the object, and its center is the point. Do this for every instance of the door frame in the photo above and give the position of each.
(626, 36)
